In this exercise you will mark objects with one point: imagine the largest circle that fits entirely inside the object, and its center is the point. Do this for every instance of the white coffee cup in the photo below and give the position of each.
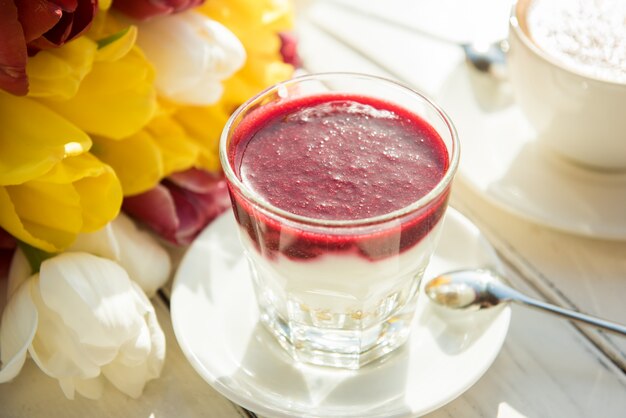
(581, 117)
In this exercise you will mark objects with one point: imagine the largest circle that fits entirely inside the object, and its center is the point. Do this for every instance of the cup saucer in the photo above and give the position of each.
(215, 320)
(503, 161)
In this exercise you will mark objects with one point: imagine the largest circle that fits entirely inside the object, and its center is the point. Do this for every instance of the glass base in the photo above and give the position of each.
(342, 348)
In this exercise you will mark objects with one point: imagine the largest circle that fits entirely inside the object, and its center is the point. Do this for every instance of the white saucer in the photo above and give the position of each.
(502, 160)
(215, 320)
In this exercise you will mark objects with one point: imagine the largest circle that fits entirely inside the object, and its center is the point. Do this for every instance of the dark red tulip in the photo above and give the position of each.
(8, 244)
(145, 9)
(27, 26)
(289, 49)
(182, 205)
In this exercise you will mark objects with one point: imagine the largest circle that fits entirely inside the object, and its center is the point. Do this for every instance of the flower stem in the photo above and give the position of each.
(35, 256)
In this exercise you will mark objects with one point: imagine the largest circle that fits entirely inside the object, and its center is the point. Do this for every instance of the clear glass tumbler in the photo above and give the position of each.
(338, 292)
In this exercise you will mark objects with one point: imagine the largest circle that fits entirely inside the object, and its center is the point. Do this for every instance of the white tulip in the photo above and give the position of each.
(145, 261)
(82, 320)
(191, 54)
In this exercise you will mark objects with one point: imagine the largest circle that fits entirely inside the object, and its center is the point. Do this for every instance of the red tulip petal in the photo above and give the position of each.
(206, 207)
(195, 180)
(178, 213)
(215, 202)
(56, 36)
(140, 9)
(145, 9)
(70, 26)
(82, 18)
(155, 208)
(8, 244)
(7, 241)
(37, 17)
(66, 5)
(289, 49)
(5, 261)
(189, 215)
(12, 51)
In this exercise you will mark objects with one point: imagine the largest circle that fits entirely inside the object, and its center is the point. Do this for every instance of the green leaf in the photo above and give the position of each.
(35, 256)
(110, 39)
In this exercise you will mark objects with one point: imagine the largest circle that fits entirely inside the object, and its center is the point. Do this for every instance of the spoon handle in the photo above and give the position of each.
(576, 316)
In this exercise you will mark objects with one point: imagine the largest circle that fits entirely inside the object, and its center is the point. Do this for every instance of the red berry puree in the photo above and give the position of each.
(337, 157)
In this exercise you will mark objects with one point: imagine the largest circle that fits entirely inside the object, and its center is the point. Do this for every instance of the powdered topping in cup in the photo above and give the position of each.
(588, 36)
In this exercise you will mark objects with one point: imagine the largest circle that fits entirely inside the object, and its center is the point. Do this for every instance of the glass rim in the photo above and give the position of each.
(258, 200)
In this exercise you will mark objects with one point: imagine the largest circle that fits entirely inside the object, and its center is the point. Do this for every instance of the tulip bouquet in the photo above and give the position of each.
(110, 116)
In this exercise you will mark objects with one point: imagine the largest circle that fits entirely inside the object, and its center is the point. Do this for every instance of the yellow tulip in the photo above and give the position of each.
(79, 194)
(116, 45)
(204, 125)
(136, 160)
(179, 150)
(116, 99)
(165, 148)
(57, 73)
(33, 139)
(244, 16)
(258, 74)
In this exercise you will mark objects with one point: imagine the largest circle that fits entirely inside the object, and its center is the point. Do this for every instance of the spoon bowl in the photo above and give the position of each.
(473, 290)
(488, 58)
(465, 289)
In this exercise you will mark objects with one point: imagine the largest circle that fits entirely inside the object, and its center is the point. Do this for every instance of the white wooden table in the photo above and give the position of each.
(547, 368)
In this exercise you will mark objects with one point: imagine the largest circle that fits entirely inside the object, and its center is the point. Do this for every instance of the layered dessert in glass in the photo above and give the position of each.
(339, 184)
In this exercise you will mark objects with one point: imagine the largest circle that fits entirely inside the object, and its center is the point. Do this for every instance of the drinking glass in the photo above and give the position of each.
(338, 292)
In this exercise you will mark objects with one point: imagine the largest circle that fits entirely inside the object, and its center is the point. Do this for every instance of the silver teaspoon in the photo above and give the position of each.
(481, 289)
(488, 58)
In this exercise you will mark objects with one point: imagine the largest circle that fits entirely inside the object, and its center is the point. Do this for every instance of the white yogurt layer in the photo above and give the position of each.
(340, 287)
(588, 36)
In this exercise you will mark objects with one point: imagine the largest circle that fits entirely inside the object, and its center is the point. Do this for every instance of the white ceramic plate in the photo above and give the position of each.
(502, 160)
(215, 320)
